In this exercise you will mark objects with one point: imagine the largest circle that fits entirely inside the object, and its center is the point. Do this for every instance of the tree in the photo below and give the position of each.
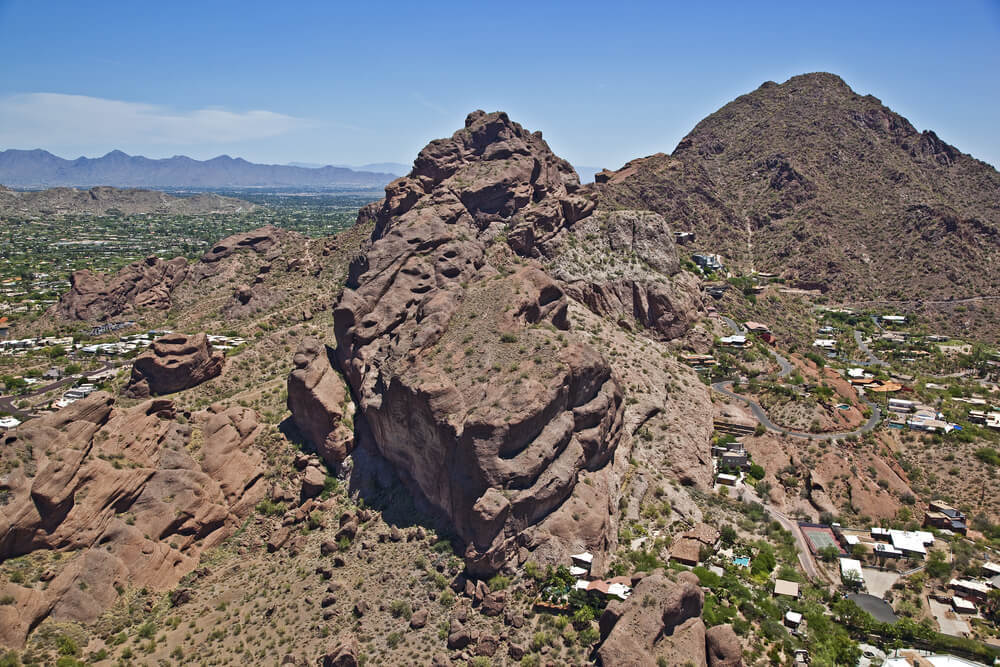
(937, 566)
(757, 471)
(829, 553)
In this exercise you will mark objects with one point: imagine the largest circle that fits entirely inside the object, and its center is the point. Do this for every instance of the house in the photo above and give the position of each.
(686, 551)
(786, 588)
(9, 422)
(913, 543)
(683, 238)
(900, 405)
(727, 479)
(991, 570)
(583, 560)
(52, 374)
(735, 341)
(698, 361)
(4, 327)
(962, 606)
(757, 327)
(825, 343)
(687, 548)
(970, 590)
(940, 515)
(793, 619)
(893, 319)
(850, 572)
(735, 460)
(707, 261)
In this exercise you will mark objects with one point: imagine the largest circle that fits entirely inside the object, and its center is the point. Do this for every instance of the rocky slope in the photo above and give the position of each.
(149, 284)
(131, 496)
(831, 189)
(106, 200)
(459, 351)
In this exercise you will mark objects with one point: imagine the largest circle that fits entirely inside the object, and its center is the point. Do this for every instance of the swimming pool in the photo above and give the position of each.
(742, 561)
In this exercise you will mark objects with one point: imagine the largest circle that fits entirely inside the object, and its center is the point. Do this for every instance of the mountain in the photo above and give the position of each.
(38, 168)
(101, 200)
(830, 188)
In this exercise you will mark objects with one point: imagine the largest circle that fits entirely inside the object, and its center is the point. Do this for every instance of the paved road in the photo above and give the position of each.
(758, 412)
(865, 350)
(805, 555)
(7, 402)
(786, 368)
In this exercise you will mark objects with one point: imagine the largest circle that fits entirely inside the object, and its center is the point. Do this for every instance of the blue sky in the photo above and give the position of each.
(332, 82)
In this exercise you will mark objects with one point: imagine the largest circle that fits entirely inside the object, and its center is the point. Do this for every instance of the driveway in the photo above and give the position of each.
(878, 582)
(948, 620)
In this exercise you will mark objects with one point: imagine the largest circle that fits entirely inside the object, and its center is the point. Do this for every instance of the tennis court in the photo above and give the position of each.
(819, 537)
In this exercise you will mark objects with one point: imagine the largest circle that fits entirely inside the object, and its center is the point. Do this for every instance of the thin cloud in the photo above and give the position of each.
(423, 101)
(30, 120)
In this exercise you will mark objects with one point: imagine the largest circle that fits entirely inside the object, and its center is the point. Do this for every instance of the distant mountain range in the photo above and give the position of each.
(105, 200)
(399, 169)
(39, 168)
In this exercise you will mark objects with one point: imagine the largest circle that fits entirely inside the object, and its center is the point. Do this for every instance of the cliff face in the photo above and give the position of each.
(458, 349)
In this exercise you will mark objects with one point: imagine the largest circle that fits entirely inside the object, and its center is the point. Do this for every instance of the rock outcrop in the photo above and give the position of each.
(173, 363)
(150, 284)
(140, 285)
(659, 623)
(93, 474)
(461, 355)
(623, 265)
(722, 647)
(320, 404)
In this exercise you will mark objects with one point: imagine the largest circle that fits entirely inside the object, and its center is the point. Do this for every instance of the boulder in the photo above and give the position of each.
(660, 621)
(722, 646)
(313, 480)
(319, 402)
(344, 655)
(173, 363)
(419, 619)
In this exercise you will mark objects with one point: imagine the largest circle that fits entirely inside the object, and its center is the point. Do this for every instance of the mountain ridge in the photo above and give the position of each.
(104, 199)
(40, 168)
(829, 188)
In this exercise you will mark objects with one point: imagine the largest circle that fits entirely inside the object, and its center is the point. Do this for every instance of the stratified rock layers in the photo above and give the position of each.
(461, 355)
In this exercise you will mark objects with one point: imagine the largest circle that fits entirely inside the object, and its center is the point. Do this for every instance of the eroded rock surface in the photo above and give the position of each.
(660, 623)
(174, 362)
(94, 474)
(319, 402)
(143, 284)
(461, 355)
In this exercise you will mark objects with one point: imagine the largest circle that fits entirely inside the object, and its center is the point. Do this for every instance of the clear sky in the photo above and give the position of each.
(367, 81)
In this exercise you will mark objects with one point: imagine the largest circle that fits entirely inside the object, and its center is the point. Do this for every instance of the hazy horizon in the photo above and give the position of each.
(604, 87)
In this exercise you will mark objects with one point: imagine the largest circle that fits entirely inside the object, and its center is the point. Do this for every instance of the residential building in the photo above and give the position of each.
(786, 588)
(736, 341)
(825, 343)
(707, 261)
(970, 590)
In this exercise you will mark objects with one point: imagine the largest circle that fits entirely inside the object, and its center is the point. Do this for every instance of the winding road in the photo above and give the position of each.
(802, 546)
(725, 388)
(865, 350)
